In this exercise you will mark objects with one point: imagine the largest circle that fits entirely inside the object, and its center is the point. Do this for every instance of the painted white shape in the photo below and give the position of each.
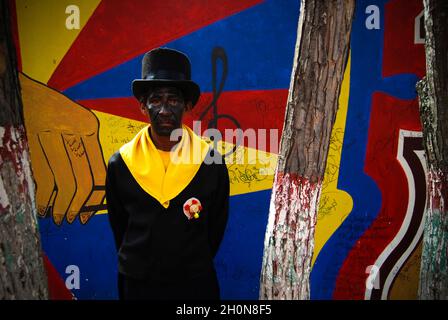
(407, 219)
(289, 238)
(373, 281)
(4, 199)
(418, 37)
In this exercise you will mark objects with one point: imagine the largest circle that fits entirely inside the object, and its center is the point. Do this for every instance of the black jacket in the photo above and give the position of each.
(159, 244)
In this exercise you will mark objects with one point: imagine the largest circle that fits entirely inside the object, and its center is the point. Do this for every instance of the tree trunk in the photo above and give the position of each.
(433, 101)
(22, 275)
(320, 58)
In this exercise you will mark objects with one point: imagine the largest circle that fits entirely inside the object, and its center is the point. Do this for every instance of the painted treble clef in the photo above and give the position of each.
(219, 53)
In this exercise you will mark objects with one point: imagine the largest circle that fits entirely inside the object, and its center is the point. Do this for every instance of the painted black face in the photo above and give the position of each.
(165, 107)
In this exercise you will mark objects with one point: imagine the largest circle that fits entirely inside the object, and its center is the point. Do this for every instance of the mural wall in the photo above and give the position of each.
(77, 61)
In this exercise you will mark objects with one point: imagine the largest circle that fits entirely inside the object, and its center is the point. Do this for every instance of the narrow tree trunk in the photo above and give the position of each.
(22, 275)
(319, 63)
(433, 98)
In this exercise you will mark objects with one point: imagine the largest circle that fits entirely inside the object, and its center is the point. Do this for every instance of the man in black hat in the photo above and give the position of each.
(167, 207)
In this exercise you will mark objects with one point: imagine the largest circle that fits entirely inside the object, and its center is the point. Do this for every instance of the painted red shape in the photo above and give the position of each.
(56, 285)
(120, 30)
(258, 109)
(123, 107)
(388, 116)
(401, 54)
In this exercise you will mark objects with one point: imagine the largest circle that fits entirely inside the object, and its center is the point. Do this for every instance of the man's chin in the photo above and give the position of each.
(165, 131)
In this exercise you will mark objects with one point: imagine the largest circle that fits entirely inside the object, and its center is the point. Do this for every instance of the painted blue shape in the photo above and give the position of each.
(259, 43)
(238, 262)
(89, 247)
(401, 86)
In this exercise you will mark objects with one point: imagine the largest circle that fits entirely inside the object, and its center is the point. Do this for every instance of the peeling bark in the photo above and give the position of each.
(320, 59)
(22, 275)
(433, 102)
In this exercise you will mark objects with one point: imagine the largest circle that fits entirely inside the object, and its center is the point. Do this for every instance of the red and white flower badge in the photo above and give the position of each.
(192, 208)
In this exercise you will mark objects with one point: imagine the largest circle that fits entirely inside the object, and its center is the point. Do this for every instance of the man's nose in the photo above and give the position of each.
(165, 109)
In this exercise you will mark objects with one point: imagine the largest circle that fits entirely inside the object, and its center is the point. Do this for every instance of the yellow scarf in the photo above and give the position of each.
(166, 157)
(146, 166)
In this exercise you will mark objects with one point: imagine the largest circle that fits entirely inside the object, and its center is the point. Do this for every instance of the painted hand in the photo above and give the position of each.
(66, 155)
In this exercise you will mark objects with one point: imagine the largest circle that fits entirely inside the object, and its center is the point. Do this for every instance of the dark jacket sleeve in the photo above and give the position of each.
(220, 212)
(118, 217)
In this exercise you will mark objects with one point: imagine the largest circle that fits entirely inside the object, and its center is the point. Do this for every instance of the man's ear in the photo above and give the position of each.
(144, 109)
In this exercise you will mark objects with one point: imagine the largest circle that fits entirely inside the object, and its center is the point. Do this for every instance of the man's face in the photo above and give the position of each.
(165, 107)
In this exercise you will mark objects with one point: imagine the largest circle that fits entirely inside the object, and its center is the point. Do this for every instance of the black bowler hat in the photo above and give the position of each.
(168, 67)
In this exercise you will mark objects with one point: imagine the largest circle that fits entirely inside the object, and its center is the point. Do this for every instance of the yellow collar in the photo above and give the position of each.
(146, 166)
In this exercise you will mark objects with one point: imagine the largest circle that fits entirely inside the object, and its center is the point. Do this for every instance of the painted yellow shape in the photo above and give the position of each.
(250, 170)
(405, 285)
(115, 131)
(335, 205)
(43, 36)
(65, 152)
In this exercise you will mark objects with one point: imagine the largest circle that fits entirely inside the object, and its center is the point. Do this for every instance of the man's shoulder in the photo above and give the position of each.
(215, 161)
(115, 159)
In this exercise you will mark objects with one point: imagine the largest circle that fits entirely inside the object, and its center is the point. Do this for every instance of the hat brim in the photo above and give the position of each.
(190, 89)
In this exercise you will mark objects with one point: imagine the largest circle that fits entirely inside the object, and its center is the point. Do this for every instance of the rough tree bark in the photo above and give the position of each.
(320, 58)
(22, 275)
(433, 101)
